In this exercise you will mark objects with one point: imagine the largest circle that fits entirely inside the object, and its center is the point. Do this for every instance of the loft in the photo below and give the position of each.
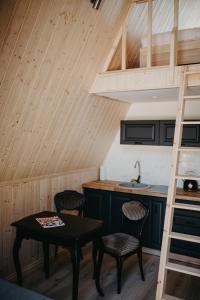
(154, 70)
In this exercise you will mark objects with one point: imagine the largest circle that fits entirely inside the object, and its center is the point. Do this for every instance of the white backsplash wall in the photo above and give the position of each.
(155, 160)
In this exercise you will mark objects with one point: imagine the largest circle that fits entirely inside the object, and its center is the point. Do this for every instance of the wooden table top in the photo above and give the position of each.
(111, 185)
(75, 227)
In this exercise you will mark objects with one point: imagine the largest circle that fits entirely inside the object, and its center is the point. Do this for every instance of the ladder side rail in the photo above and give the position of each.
(149, 34)
(166, 242)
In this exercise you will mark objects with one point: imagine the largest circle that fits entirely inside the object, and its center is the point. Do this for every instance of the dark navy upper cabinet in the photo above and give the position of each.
(191, 134)
(139, 132)
(157, 133)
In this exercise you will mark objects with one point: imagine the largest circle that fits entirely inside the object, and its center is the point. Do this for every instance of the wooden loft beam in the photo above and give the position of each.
(174, 37)
(122, 35)
(139, 1)
(149, 49)
(112, 51)
(124, 48)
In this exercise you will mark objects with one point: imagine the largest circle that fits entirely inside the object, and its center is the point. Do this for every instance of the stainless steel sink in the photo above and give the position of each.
(132, 185)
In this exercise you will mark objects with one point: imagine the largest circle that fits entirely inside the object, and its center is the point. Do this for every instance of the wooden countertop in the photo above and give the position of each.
(110, 185)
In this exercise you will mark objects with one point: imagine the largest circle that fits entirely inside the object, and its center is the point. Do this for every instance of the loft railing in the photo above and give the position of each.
(122, 35)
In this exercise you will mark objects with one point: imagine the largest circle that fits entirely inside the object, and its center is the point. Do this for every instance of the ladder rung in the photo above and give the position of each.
(169, 297)
(189, 149)
(190, 122)
(187, 206)
(185, 237)
(189, 177)
(194, 97)
(183, 269)
(192, 72)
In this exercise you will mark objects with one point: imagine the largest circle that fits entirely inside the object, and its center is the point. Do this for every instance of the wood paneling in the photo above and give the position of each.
(50, 53)
(24, 197)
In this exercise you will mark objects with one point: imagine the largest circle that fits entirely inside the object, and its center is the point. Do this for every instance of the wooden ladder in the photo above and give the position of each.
(168, 234)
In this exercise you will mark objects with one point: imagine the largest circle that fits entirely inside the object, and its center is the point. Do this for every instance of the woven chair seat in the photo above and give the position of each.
(120, 243)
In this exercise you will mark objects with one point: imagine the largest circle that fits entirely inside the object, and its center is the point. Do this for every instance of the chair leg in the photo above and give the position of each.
(56, 251)
(98, 272)
(119, 274)
(139, 253)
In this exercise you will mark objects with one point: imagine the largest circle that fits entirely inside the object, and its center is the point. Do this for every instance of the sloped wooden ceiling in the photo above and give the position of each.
(162, 22)
(50, 52)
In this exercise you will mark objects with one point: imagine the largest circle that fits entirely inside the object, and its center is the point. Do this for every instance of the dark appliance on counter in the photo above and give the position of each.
(190, 185)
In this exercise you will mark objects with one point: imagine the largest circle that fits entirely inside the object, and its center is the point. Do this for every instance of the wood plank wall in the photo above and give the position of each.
(50, 52)
(24, 197)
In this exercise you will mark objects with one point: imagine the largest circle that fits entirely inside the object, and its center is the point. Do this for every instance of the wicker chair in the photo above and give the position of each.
(71, 202)
(122, 245)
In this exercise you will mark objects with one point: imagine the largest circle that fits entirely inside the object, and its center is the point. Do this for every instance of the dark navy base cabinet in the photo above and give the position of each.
(107, 206)
(97, 206)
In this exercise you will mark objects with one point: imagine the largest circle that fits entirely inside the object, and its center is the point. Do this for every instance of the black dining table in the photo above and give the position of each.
(76, 232)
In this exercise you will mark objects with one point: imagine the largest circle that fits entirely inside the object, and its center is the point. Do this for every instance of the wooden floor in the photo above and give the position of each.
(58, 286)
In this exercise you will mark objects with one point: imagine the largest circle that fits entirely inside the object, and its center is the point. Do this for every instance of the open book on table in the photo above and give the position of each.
(49, 222)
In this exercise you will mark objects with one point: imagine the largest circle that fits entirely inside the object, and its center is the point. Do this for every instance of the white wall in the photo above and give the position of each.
(155, 160)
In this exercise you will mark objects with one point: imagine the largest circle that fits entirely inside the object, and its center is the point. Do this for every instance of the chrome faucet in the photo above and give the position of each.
(137, 163)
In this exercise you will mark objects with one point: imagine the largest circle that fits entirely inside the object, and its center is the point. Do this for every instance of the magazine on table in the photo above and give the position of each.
(49, 222)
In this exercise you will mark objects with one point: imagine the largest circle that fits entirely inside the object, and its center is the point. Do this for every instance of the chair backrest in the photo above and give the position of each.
(136, 211)
(69, 200)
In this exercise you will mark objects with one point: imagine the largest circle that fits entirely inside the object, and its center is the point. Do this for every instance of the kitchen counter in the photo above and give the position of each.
(152, 190)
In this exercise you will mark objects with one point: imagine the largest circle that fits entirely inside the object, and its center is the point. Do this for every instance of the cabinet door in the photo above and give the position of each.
(139, 132)
(97, 206)
(146, 236)
(153, 228)
(118, 222)
(191, 134)
(157, 215)
(187, 222)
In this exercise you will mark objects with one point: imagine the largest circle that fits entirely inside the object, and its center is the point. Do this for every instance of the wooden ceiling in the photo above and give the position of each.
(162, 22)
(50, 53)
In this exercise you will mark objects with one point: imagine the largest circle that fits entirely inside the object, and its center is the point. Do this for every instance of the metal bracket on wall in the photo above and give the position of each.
(96, 3)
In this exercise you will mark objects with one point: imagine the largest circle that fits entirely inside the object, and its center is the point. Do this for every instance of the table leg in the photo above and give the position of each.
(16, 247)
(76, 269)
(94, 258)
(46, 258)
